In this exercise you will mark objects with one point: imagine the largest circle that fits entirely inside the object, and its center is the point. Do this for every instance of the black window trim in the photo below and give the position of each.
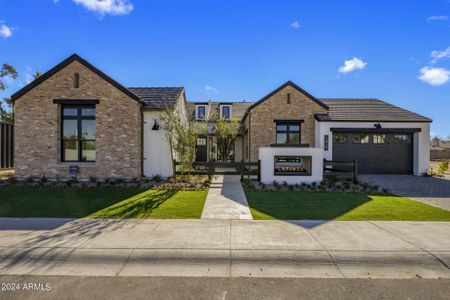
(197, 112)
(287, 131)
(79, 118)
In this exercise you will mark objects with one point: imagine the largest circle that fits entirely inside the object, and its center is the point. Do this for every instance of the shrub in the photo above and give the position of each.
(443, 166)
(92, 179)
(156, 178)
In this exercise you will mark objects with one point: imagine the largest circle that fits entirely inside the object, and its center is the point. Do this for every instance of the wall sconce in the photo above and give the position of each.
(155, 126)
(377, 126)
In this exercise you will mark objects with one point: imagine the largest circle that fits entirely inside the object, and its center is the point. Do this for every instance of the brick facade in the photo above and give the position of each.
(262, 116)
(38, 134)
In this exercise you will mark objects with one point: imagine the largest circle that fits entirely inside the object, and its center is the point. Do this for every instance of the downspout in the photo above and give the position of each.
(249, 144)
(142, 142)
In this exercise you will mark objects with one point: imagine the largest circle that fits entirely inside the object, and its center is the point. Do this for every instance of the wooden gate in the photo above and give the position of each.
(6, 146)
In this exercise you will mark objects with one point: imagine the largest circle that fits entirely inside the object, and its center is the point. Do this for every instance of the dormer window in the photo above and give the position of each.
(225, 111)
(200, 112)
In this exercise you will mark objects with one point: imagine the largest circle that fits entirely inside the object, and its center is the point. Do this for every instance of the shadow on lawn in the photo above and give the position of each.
(140, 206)
(314, 208)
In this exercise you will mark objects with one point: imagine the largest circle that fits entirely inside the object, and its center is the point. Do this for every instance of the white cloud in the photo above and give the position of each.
(434, 76)
(437, 55)
(5, 31)
(437, 18)
(209, 88)
(352, 65)
(107, 7)
(295, 24)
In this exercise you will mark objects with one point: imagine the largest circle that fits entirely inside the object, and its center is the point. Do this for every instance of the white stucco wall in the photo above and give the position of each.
(157, 151)
(267, 155)
(421, 141)
(158, 156)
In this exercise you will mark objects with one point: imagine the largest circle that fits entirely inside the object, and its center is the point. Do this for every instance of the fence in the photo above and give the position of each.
(341, 169)
(222, 168)
(440, 154)
(6, 146)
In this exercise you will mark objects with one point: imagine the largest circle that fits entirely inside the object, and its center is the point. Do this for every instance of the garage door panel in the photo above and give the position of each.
(389, 158)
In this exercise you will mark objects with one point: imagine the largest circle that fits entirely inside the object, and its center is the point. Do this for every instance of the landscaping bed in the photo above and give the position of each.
(118, 203)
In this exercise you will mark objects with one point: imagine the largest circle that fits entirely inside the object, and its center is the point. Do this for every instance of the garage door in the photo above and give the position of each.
(377, 153)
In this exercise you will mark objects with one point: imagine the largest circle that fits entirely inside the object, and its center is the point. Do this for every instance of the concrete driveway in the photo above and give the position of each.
(224, 248)
(430, 190)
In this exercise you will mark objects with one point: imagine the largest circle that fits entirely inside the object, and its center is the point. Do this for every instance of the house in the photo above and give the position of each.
(75, 119)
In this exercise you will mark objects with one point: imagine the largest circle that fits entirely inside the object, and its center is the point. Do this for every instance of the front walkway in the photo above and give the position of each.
(226, 199)
(429, 190)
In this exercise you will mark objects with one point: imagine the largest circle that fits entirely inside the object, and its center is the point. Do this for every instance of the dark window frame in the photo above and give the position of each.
(79, 118)
(203, 107)
(288, 131)
(228, 107)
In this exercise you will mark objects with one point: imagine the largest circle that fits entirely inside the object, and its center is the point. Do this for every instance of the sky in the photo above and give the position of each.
(394, 50)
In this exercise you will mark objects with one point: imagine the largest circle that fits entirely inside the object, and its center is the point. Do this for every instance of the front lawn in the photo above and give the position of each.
(118, 203)
(340, 206)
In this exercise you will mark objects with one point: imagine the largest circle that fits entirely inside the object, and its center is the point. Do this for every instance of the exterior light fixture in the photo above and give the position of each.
(155, 126)
(377, 125)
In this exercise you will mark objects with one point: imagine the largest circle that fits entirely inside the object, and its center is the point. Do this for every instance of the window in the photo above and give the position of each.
(288, 98)
(325, 142)
(340, 138)
(380, 139)
(361, 139)
(225, 111)
(402, 139)
(76, 80)
(288, 133)
(78, 133)
(201, 112)
(201, 141)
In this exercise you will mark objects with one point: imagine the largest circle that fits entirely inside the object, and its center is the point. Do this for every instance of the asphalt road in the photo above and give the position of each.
(77, 287)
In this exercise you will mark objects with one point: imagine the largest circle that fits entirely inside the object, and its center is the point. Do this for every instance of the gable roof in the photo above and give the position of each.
(367, 110)
(64, 63)
(279, 89)
(158, 97)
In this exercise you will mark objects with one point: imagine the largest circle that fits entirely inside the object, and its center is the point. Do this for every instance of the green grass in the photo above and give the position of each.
(117, 203)
(340, 206)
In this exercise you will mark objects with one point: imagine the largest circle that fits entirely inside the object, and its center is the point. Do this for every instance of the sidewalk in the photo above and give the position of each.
(225, 248)
(226, 199)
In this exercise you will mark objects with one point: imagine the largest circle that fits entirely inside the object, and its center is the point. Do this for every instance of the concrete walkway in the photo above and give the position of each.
(429, 190)
(226, 199)
(225, 248)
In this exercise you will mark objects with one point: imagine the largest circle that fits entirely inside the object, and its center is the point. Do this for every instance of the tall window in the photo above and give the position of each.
(78, 133)
(225, 112)
(288, 133)
(201, 112)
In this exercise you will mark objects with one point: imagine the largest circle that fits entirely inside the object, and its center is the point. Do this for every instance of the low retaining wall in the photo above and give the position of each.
(293, 165)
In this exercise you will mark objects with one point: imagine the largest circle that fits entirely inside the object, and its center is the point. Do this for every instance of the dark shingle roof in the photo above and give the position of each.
(367, 110)
(157, 97)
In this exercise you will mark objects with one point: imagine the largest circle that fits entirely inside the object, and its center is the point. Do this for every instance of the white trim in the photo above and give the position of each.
(196, 111)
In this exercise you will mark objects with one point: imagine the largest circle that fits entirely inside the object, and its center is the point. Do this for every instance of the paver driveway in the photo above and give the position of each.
(430, 190)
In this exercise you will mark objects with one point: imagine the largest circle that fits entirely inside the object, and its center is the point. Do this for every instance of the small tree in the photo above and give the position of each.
(226, 133)
(6, 105)
(182, 139)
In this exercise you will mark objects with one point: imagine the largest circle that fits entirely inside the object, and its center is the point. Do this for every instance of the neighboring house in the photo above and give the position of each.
(75, 119)
(440, 149)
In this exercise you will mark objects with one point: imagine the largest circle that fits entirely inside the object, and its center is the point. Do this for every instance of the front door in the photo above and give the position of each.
(201, 149)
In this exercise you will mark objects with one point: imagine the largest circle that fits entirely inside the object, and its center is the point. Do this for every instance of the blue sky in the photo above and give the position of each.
(394, 50)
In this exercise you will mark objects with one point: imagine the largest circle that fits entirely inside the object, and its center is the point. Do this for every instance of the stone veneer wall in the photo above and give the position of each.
(38, 135)
(263, 127)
